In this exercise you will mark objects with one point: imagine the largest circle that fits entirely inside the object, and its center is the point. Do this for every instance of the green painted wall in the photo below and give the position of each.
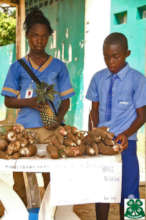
(67, 20)
(134, 28)
(129, 17)
(7, 56)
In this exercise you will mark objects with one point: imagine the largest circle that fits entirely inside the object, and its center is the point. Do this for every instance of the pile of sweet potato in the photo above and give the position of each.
(17, 142)
(68, 141)
(101, 141)
(65, 141)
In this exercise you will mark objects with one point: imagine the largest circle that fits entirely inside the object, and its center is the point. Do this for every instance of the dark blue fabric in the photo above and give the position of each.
(130, 172)
(108, 112)
(33, 213)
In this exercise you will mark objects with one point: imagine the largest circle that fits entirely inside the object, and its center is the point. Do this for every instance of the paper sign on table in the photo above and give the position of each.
(99, 182)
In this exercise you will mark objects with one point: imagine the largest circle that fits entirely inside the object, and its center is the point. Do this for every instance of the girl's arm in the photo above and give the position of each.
(12, 102)
(94, 115)
(63, 108)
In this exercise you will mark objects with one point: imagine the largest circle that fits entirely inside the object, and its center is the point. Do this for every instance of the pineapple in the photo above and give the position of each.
(45, 93)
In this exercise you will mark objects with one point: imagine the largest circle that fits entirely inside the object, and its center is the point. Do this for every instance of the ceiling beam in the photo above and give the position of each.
(10, 2)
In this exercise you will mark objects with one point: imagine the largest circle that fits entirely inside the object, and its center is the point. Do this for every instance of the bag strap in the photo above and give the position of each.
(33, 76)
(29, 71)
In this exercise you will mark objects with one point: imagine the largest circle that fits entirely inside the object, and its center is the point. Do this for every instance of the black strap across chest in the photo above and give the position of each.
(36, 80)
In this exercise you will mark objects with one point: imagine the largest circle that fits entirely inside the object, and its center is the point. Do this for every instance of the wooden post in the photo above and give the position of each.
(20, 34)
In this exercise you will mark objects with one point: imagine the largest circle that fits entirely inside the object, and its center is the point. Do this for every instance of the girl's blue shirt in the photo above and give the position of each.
(18, 82)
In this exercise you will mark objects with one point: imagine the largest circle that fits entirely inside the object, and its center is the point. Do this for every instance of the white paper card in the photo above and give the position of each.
(100, 181)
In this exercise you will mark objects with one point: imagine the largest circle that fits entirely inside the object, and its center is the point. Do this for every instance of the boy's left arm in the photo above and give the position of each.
(137, 123)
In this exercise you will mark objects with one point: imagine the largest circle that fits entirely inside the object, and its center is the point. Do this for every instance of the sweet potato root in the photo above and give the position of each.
(13, 147)
(14, 156)
(101, 132)
(108, 141)
(106, 150)
(74, 151)
(53, 151)
(3, 144)
(2, 209)
(92, 150)
(28, 151)
(3, 155)
(69, 152)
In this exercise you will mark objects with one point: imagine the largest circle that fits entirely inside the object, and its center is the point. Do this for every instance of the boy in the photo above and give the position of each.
(118, 95)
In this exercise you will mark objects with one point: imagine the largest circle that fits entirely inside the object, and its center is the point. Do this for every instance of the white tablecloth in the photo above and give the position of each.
(76, 180)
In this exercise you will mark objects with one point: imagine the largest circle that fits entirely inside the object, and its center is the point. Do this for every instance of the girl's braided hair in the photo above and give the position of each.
(36, 17)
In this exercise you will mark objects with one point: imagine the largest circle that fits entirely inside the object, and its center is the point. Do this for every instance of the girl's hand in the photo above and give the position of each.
(59, 119)
(122, 138)
(34, 104)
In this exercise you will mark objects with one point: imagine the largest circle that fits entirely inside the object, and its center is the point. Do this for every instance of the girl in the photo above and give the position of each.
(18, 82)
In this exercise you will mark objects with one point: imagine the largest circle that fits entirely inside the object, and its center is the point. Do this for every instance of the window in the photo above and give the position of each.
(35, 3)
(120, 18)
(141, 12)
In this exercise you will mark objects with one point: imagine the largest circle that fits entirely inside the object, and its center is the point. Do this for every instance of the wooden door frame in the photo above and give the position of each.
(20, 17)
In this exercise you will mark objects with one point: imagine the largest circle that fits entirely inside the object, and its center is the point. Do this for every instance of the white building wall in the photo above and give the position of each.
(97, 27)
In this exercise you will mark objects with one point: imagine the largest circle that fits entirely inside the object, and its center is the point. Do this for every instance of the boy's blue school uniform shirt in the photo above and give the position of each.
(18, 82)
(128, 94)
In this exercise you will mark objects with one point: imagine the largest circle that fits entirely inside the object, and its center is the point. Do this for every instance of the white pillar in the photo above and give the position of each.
(97, 27)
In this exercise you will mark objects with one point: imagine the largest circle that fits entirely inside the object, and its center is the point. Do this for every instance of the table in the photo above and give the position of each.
(71, 178)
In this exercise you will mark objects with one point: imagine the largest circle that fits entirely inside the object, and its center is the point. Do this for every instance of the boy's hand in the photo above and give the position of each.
(122, 138)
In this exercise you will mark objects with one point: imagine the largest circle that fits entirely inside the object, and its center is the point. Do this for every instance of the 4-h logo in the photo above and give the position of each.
(134, 209)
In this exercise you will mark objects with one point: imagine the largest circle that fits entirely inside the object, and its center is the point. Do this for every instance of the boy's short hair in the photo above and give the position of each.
(116, 38)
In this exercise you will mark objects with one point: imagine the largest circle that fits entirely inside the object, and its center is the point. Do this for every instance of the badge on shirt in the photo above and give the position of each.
(29, 92)
(124, 102)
